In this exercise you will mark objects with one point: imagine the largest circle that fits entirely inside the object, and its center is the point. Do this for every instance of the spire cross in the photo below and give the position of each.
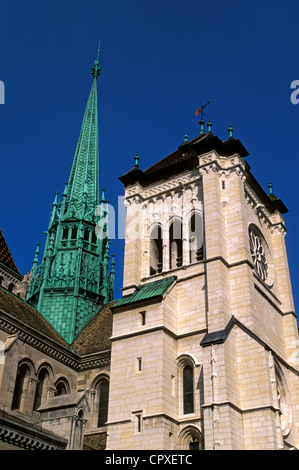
(96, 69)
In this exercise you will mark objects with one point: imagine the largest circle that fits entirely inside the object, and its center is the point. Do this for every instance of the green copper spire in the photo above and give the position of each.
(73, 281)
(85, 169)
(270, 186)
(230, 130)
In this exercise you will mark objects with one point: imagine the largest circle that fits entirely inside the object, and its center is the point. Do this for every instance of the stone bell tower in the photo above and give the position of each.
(73, 282)
(205, 342)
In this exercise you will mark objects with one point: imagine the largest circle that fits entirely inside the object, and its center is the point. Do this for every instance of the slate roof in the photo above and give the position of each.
(96, 334)
(153, 290)
(6, 256)
(186, 158)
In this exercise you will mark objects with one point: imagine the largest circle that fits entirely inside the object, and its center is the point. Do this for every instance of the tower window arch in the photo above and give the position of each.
(176, 243)
(195, 237)
(156, 250)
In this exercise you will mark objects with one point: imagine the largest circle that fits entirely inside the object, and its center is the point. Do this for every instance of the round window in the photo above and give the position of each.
(258, 255)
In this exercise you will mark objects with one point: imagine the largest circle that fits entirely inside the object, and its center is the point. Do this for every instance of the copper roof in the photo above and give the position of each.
(21, 311)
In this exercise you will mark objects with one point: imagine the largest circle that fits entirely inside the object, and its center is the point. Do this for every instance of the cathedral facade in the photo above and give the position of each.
(201, 351)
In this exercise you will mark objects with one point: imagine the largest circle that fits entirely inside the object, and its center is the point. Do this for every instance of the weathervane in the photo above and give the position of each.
(200, 110)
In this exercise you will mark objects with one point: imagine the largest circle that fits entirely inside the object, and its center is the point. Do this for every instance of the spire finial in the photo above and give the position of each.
(103, 199)
(270, 186)
(96, 69)
(209, 125)
(230, 130)
(201, 122)
(136, 158)
(185, 138)
(35, 261)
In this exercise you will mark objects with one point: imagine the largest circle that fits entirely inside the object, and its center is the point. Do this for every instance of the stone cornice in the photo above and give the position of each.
(183, 180)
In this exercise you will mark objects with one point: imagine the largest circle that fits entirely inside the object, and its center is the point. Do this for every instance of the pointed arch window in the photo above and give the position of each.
(176, 243)
(74, 233)
(103, 400)
(86, 234)
(195, 237)
(93, 237)
(156, 250)
(188, 393)
(65, 233)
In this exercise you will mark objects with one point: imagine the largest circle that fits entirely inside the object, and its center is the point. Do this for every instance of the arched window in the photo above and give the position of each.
(156, 250)
(41, 388)
(103, 400)
(93, 237)
(188, 393)
(74, 233)
(195, 238)
(190, 438)
(20, 387)
(62, 387)
(65, 233)
(86, 234)
(11, 287)
(176, 244)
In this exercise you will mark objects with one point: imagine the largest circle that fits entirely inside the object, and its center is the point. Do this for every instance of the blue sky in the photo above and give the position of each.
(160, 60)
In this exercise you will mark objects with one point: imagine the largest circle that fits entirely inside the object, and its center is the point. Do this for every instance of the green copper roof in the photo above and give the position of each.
(85, 170)
(147, 291)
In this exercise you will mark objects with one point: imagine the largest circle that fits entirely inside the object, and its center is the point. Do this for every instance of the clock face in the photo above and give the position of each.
(258, 256)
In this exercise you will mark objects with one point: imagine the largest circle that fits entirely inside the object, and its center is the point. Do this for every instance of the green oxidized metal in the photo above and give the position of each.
(73, 282)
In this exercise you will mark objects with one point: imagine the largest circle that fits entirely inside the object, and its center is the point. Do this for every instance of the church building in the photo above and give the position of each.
(201, 350)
